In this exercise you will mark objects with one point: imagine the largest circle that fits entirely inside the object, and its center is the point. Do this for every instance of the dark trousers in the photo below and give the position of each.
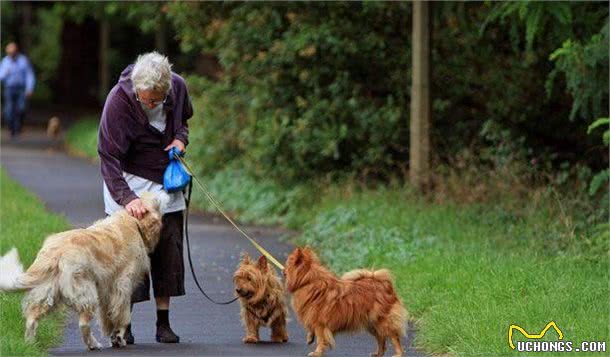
(14, 108)
(166, 262)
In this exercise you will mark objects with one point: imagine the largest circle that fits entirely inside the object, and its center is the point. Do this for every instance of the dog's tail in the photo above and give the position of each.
(13, 278)
(11, 270)
(398, 315)
(381, 275)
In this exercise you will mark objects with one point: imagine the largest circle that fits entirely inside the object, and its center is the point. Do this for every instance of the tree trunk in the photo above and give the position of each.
(26, 28)
(161, 36)
(104, 70)
(77, 84)
(419, 160)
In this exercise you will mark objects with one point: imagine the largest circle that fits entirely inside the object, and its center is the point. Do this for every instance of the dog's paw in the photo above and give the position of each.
(94, 345)
(310, 338)
(250, 339)
(279, 339)
(315, 354)
(117, 341)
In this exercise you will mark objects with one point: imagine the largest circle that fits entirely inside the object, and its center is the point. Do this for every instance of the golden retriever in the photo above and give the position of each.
(92, 270)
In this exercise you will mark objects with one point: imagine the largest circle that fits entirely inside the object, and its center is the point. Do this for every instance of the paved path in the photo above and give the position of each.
(72, 187)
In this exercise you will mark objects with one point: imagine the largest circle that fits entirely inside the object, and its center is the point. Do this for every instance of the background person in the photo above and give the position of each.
(18, 77)
(144, 116)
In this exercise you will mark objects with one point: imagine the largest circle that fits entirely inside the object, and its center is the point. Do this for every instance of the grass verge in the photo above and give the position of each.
(25, 225)
(81, 138)
(466, 272)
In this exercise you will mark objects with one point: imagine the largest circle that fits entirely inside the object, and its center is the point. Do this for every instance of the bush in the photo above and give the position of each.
(307, 88)
(311, 89)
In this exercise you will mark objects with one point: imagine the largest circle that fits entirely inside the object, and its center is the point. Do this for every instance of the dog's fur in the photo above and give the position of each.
(261, 297)
(53, 128)
(360, 300)
(92, 270)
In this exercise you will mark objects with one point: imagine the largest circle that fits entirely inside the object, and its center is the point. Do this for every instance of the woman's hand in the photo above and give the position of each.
(177, 144)
(136, 208)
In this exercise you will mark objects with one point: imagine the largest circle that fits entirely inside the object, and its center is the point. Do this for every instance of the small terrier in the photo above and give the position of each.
(359, 300)
(261, 297)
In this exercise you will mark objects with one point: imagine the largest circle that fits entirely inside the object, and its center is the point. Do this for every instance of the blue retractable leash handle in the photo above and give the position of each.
(176, 179)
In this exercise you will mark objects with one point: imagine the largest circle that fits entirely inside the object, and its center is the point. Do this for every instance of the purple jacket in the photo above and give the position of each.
(127, 142)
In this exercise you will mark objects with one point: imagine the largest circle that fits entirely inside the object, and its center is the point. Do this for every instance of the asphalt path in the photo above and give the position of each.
(73, 187)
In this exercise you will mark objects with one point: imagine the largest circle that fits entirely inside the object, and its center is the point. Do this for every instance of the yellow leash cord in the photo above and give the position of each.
(217, 205)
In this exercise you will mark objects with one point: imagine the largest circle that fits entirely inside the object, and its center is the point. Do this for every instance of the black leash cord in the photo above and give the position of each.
(188, 248)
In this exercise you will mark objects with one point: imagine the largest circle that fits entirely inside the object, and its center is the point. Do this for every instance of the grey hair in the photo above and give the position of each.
(152, 71)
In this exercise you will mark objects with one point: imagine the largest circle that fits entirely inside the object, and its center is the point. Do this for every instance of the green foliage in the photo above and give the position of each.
(598, 123)
(585, 67)
(219, 122)
(18, 210)
(81, 138)
(535, 17)
(603, 176)
(569, 33)
(598, 181)
(79, 11)
(320, 91)
(253, 200)
(8, 22)
(45, 53)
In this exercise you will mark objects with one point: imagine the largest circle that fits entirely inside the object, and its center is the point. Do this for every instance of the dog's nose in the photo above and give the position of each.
(239, 291)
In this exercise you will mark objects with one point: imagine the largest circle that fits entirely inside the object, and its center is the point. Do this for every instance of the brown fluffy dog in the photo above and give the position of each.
(261, 297)
(360, 300)
(93, 271)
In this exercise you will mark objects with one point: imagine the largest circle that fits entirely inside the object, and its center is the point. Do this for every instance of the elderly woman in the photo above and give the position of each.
(144, 116)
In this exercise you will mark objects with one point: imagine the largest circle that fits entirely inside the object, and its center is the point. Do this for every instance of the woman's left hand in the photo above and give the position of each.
(177, 144)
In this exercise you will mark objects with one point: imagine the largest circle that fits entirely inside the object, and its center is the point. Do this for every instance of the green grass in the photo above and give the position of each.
(466, 272)
(81, 138)
(25, 225)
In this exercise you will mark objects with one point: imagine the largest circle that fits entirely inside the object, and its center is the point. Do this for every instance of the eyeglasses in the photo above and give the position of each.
(151, 102)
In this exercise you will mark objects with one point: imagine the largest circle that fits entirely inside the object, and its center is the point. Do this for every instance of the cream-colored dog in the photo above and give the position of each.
(91, 270)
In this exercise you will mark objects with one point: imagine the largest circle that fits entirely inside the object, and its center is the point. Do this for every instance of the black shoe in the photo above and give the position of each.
(166, 335)
(129, 336)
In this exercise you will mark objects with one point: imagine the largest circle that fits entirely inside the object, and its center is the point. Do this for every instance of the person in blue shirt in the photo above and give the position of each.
(18, 78)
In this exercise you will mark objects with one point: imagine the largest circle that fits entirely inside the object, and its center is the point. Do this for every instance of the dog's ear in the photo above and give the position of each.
(262, 263)
(245, 258)
(298, 256)
(156, 201)
(162, 201)
(309, 253)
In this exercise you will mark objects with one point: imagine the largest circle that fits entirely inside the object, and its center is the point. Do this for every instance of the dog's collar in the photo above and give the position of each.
(262, 302)
(264, 318)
